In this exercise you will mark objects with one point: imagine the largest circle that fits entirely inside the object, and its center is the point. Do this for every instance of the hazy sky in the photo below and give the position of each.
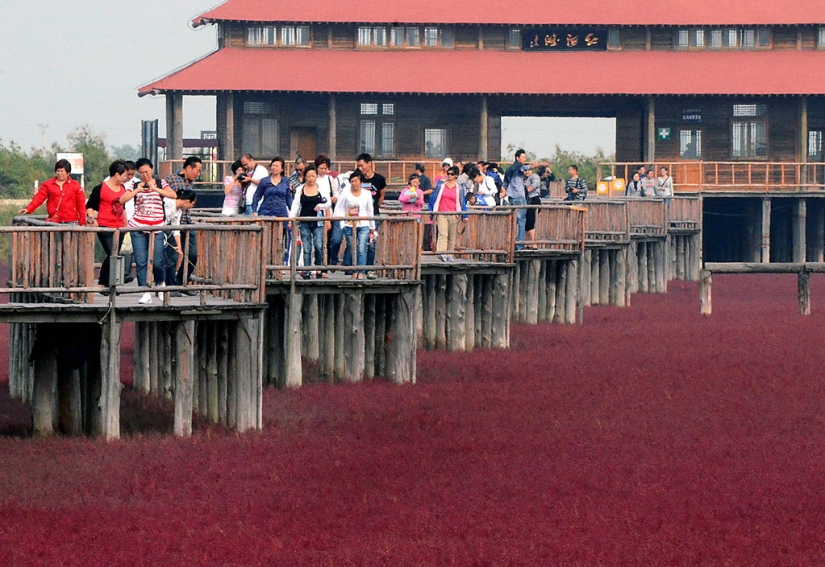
(66, 63)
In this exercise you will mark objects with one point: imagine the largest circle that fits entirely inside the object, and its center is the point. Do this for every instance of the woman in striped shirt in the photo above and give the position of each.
(148, 195)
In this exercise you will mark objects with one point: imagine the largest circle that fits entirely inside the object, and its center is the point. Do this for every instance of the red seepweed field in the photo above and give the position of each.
(649, 436)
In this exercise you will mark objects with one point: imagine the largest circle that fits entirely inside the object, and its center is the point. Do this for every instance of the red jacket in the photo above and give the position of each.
(68, 203)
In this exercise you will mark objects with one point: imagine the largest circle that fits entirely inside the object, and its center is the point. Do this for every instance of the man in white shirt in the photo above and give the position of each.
(254, 173)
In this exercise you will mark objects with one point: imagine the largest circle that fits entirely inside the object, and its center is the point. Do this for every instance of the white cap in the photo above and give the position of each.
(448, 161)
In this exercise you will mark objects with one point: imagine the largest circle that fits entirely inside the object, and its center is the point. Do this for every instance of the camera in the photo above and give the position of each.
(243, 177)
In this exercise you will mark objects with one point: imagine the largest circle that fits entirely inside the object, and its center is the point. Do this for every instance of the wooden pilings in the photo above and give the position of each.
(607, 275)
(214, 369)
(466, 310)
(548, 289)
(684, 256)
(347, 335)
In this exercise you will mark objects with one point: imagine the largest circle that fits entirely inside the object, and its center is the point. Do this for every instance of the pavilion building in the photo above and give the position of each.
(737, 83)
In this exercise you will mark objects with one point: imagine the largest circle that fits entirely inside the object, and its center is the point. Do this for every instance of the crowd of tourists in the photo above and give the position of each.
(132, 196)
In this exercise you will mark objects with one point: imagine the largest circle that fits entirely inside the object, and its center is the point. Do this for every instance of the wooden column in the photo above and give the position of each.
(650, 146)
(595, 262)
(184, 377)
(803, 139)
(44, 397)
(110, 386)
(456, 312)
(484, 135)
(804, 292)
(174, 126)
(292, 340)
(501, 311)
(225, 125)
(766, 230)
(354, 337)
(332, 150)
(403, 341)
(799, 230)
(705, 280)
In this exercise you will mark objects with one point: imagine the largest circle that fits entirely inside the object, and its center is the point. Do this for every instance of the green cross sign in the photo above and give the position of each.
(663, 134)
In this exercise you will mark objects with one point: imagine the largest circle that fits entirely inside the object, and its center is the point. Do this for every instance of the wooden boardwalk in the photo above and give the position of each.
(253, 320)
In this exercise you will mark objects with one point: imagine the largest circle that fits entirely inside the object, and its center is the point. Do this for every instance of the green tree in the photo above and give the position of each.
(96, 157)
(19, 170)
(126, 152)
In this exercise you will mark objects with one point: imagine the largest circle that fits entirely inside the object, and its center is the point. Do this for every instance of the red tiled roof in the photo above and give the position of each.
(590, 73)
(525, 12)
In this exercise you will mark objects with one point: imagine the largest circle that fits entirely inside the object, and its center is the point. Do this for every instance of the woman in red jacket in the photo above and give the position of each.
(105, 209)
(63, 195)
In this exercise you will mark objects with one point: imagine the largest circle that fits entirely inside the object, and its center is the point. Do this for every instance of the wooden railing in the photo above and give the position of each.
(647, 217)
(559, 228)
(685, 213)
(59, 260)
(396, 254)
(488, 237)
(731, 176)
(396, 172)
(50, 258)
(607, 222)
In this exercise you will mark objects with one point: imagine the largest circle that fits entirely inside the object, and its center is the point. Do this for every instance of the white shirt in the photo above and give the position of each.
(257, 174)
(363, 202)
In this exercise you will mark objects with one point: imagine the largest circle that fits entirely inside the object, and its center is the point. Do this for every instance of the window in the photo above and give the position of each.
(413, 37)
(260, 136)
(255, 107)
(379, 36)
(430, 37)
(613, 39)
(690, 144)
(270, 35)
(749, 131)
(372, 36)
(731, 38)
(697, 38)
(288, 35)
(747, 39)
(377, 130)
(397, 36)
(815, 148)
(364, 36)
(763, 37)
(682, 39)
(446, 37)
(514, 39)
(715, 41)
(435, 143)
(821, 39)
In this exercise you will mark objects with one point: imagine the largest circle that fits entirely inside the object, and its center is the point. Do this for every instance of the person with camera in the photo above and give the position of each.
(233, 190)
(148, 194)
(253, 173)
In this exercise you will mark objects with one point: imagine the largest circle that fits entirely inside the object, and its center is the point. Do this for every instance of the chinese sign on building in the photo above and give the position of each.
(564, 39)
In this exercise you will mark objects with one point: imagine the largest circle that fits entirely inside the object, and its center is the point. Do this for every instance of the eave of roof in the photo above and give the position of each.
(586, 73)
(525, 12)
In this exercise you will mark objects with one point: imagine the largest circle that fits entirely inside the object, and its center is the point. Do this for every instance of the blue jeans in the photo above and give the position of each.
(371, 247)
(140, 246)
(312, 237)
(247, 210)
(362, 235)
(336, 237)
(521, 219)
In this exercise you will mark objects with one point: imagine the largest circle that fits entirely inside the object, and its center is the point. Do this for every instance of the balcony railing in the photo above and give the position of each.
(731, 176)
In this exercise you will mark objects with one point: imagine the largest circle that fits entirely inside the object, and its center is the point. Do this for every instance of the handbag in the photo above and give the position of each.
(126, 245)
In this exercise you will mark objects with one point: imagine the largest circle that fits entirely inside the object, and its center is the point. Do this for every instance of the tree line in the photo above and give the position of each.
(20, 168)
